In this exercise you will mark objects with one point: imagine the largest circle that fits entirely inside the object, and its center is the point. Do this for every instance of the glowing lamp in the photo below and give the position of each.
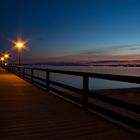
(6, 55)
(2, 58)
(19, 44)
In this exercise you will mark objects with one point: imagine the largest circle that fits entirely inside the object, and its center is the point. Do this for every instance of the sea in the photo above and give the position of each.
(94, 83)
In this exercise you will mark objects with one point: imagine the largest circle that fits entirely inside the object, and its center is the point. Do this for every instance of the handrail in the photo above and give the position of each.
(121, 78)
(84, 93)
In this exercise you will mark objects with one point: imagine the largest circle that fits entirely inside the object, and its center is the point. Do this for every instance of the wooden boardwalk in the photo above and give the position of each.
(29, 113)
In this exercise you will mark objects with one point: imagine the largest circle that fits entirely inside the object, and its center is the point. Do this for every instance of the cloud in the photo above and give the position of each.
(131, 49)
(120, 52)
(134, 48)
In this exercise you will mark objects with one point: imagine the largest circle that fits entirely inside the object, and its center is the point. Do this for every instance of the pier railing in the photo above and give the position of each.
(84, 95)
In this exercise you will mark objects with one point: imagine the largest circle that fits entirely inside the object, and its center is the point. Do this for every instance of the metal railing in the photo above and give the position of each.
(85, 94)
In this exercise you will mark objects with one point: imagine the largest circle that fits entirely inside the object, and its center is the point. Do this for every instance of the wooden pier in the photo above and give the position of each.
(30, 113)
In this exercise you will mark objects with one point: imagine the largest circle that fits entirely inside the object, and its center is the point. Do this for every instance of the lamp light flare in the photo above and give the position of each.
(19, 44)
(2, 58)
(6, 55)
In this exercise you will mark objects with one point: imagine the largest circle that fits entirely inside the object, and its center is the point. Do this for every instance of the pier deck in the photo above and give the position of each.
(29, 113)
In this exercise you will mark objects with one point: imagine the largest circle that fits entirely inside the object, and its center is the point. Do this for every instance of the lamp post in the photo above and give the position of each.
(2, 59)
(19, 46)
(6, 56)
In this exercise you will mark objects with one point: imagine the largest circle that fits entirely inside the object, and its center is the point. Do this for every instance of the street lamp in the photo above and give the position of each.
(19, 46)
(6, 56)
(2, 59)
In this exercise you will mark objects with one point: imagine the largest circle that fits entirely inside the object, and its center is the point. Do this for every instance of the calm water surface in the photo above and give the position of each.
(94, 83)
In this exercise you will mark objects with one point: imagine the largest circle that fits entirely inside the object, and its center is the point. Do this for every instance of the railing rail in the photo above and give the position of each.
(84, 93)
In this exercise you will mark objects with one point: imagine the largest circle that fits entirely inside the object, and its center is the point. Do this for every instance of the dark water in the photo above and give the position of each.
(94, 83)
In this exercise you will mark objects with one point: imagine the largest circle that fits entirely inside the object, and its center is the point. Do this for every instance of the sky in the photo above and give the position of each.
(71, 30)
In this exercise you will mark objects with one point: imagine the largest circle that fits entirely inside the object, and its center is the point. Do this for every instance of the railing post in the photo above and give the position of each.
(10, 68)
(15, 70)
(32, 75)
(47, 80)
(18, 71)
(85, 91)
(23, 73)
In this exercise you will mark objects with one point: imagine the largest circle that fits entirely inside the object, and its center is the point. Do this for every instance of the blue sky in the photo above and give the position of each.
(70, 29)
